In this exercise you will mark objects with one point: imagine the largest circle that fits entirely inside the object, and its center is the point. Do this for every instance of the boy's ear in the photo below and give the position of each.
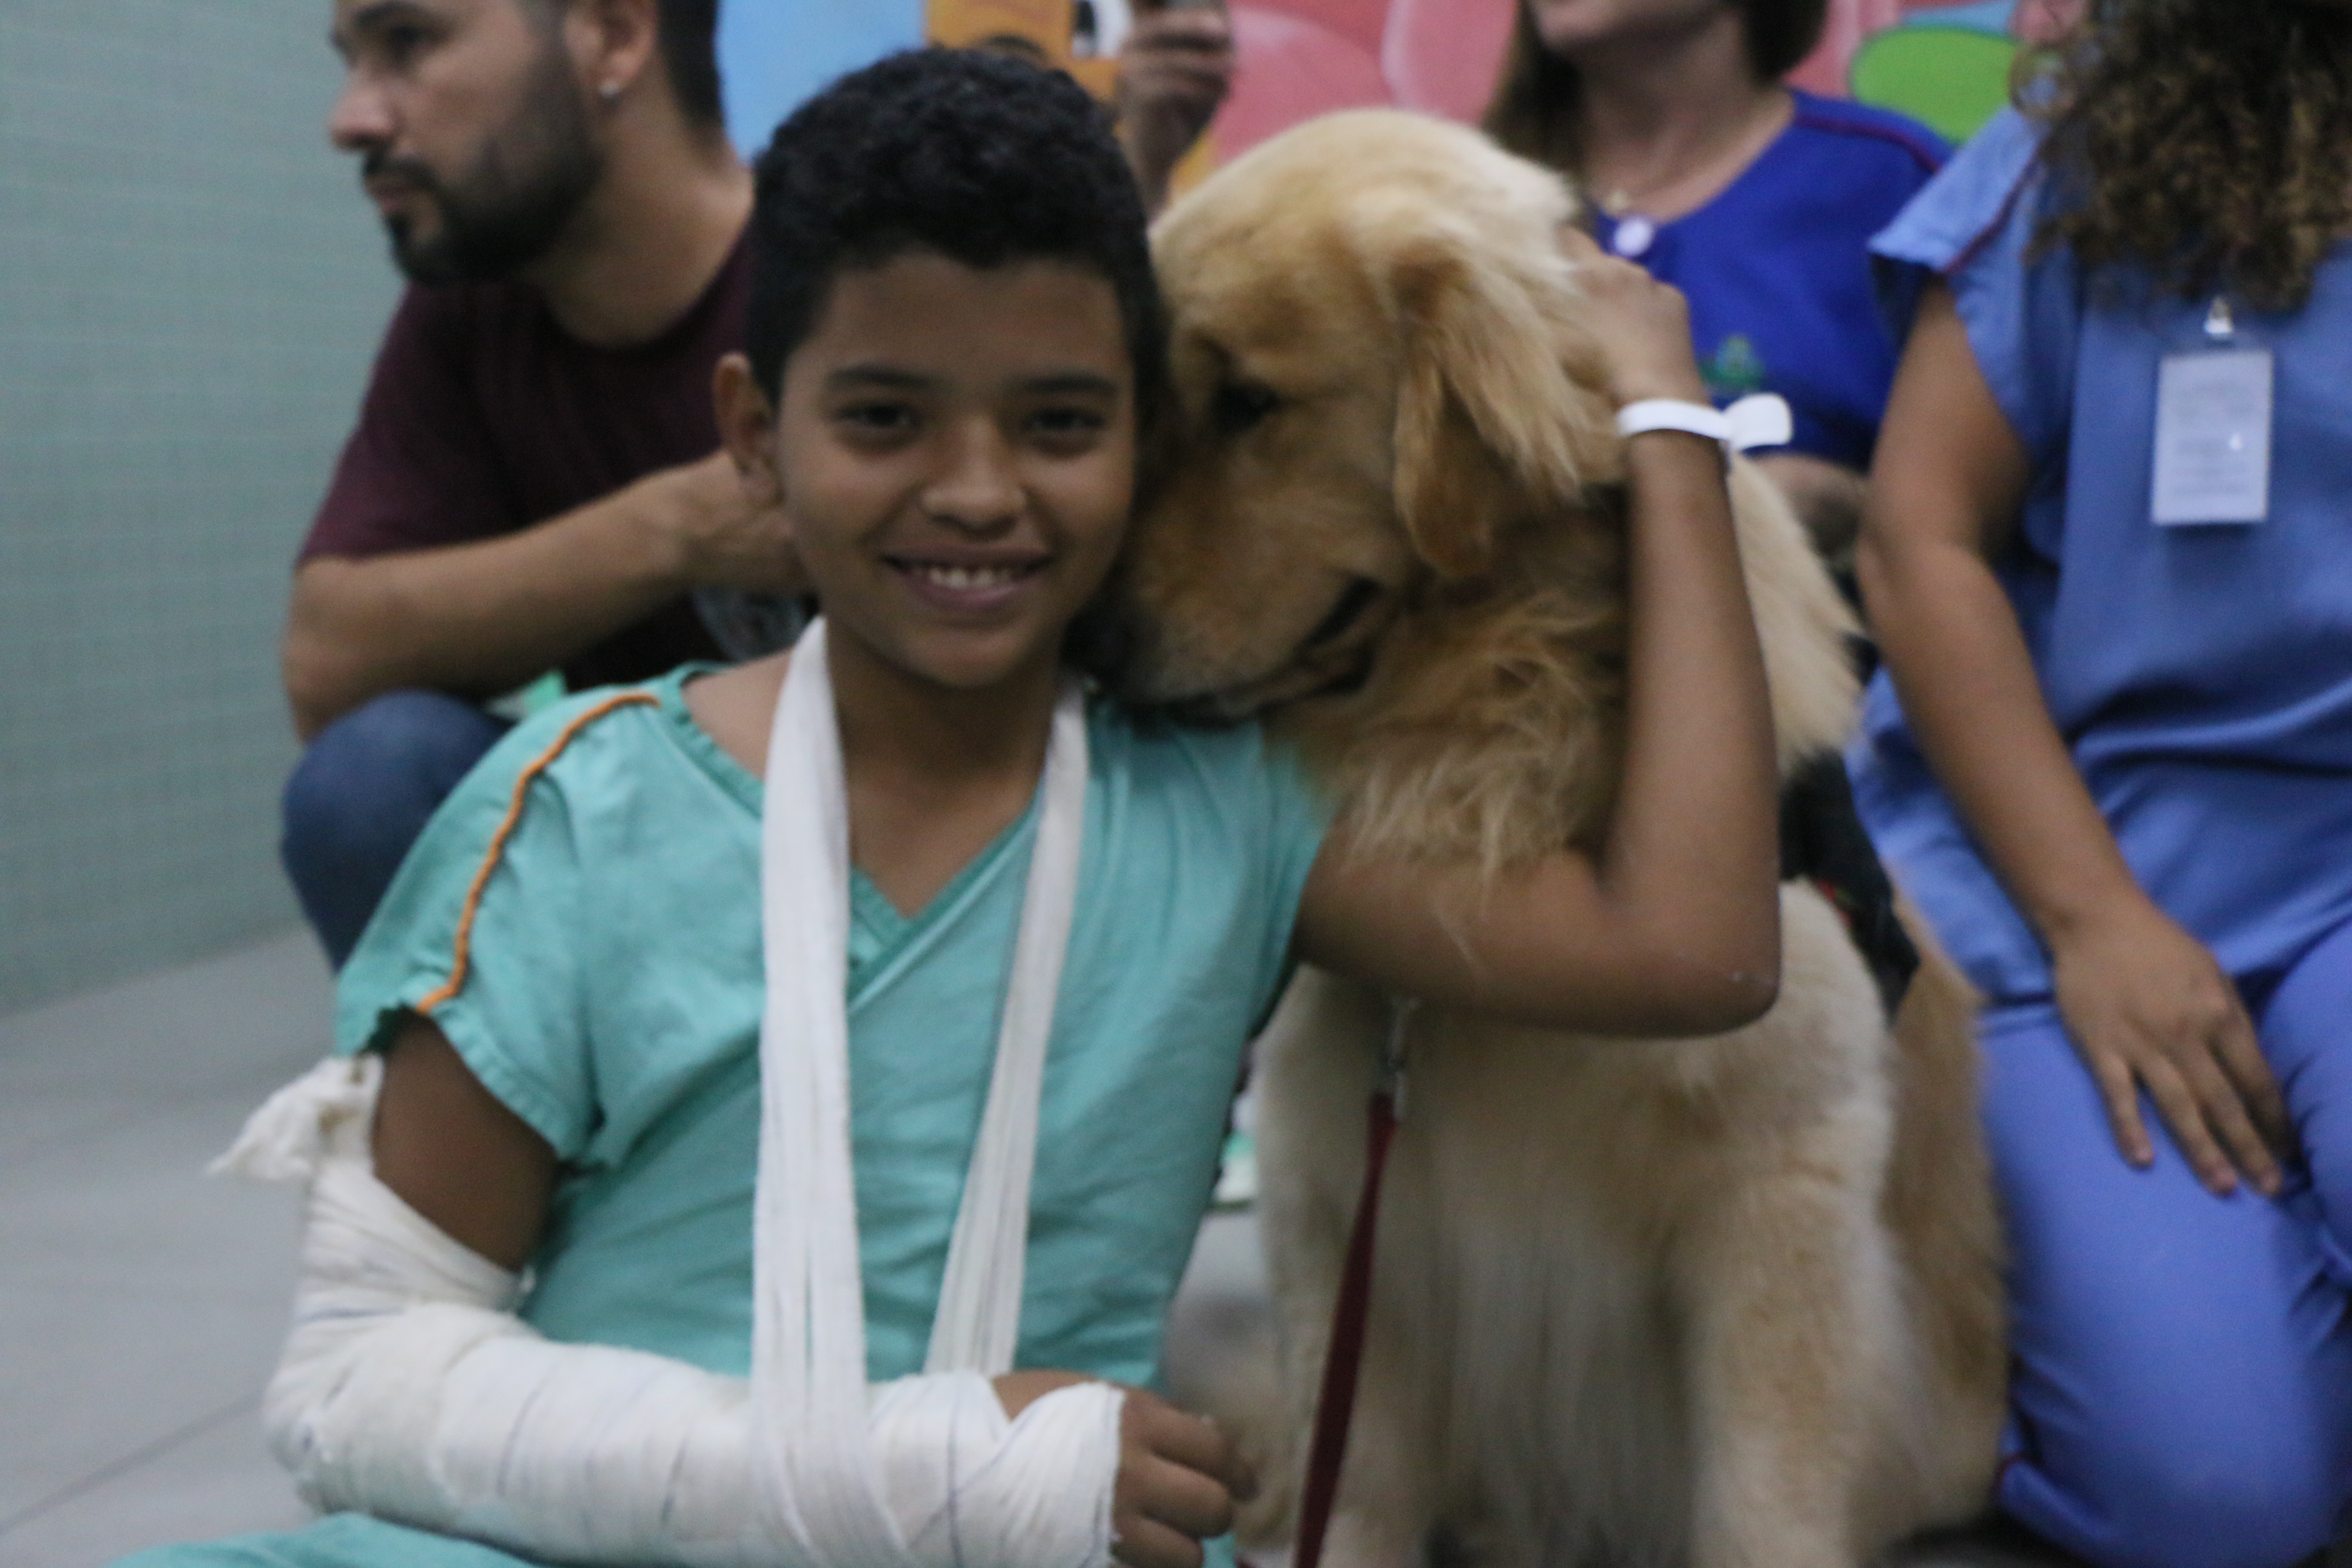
(747, 428)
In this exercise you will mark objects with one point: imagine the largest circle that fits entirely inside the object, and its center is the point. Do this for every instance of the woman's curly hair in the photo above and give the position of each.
(2210, 140)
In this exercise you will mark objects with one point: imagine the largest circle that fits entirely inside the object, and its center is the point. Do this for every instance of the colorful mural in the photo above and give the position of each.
(1946, 62)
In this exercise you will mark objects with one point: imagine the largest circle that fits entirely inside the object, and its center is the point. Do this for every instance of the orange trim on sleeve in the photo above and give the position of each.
(462, 956)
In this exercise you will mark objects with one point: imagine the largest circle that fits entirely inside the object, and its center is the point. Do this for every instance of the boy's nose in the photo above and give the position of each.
(977, 486)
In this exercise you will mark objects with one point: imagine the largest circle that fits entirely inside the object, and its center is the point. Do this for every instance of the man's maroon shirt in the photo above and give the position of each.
(484, 416)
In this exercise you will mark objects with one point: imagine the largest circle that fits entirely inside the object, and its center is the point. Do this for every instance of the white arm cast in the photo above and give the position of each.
(409, 1391)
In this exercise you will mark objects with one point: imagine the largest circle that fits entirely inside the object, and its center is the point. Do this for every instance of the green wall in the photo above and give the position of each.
(190, 288)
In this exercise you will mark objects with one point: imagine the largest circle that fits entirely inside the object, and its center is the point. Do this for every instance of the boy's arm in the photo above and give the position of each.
(455, 1153)
(1674, 927)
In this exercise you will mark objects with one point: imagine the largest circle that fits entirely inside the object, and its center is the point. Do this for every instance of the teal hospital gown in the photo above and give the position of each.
(581, 920)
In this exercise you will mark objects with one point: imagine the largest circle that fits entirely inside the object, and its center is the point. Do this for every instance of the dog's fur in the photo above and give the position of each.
(1723, 1301)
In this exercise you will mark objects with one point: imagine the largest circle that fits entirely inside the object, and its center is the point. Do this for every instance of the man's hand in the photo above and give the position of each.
(1173, 71)
(2147, 1006)
(728, 533)
(485, 617)
(1179, 1476)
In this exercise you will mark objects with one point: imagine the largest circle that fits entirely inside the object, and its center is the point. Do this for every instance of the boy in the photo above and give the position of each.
(954, 354)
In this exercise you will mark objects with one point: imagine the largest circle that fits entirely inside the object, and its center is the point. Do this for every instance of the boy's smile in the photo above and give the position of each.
(955, 447)
(958, 581)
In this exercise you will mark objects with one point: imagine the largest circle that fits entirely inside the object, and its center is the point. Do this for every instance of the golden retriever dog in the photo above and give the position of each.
(1721, 1302)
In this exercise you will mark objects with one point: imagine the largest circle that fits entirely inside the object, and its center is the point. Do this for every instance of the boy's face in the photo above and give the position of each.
(955, 450)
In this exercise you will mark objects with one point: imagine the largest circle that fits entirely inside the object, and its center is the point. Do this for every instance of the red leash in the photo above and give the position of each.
(1336, 1403)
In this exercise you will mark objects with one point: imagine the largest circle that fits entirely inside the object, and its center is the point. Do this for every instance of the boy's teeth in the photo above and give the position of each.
(968, 576)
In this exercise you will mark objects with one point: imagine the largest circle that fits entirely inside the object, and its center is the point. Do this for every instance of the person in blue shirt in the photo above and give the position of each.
(2114, 760)
(1756, 200)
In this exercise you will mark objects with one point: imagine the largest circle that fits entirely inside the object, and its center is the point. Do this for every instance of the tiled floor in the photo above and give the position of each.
(141, 1302)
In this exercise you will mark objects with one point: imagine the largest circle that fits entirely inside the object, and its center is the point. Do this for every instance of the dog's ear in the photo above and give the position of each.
(1454, 494)
(1495, 418)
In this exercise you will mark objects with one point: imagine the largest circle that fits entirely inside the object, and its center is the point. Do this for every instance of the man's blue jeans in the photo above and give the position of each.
(360, 795)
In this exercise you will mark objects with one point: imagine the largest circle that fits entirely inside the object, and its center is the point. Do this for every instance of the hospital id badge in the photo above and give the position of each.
(2213, 428)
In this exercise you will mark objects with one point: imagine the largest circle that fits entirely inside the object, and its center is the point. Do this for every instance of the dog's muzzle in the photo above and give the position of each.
(1335, 656)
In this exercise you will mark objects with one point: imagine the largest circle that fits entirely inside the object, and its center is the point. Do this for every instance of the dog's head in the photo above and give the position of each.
(1378, 375)
(1392, 436)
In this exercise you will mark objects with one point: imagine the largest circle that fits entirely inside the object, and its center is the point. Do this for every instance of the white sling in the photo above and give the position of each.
(808, 1355)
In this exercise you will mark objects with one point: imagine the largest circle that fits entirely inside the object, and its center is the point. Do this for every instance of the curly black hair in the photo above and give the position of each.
(2208, 141)
(976, 156)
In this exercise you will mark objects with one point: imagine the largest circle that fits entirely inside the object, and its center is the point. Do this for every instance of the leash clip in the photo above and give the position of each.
(1394, 1074)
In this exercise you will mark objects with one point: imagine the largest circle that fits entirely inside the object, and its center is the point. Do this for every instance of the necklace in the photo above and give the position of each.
(1633, 236)
(1710, 172)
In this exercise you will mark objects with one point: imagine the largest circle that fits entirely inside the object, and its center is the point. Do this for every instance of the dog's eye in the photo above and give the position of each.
(1241, 405)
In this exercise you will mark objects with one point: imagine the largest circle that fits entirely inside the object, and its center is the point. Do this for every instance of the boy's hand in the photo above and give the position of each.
(1641, 325)
(1179, 1476)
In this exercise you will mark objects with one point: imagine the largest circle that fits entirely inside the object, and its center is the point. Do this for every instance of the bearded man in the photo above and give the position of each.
(535, 482)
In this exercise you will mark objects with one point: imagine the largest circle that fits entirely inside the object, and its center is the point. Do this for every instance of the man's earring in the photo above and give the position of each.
(610, 92)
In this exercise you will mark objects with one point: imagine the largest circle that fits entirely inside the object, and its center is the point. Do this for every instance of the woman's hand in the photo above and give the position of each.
(1179, 1476)
(2147, 1006)
(2144, 1003)
(1641, 325)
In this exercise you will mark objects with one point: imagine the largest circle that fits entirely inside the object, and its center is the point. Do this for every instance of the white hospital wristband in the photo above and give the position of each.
(1673, 413)
(1760, 419)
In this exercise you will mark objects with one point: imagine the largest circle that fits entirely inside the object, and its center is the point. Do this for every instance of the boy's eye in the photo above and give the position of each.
(1066, 422)
(876, 418)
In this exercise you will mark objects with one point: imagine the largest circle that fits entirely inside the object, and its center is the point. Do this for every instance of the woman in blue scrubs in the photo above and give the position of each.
(1756, 200)
(2108, 558)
